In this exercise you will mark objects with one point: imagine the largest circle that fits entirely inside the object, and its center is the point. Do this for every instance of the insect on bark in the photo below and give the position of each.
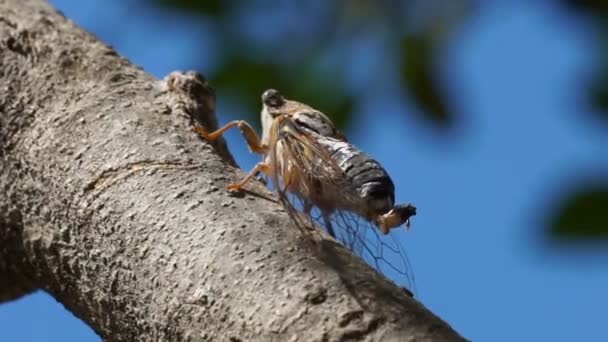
(321, 178)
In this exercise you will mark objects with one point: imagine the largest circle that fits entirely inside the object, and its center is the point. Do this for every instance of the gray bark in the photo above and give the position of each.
(111, 204)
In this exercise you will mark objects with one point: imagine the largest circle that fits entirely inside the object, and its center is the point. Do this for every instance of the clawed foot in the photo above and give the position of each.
(201, 131)
(234, 187)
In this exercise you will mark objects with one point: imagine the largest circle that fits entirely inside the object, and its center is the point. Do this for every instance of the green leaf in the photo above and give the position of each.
(597, 10)
(203, 7)
(583, 215)
(417, 74)
(599, 96)
(324, 92)
(591, 6)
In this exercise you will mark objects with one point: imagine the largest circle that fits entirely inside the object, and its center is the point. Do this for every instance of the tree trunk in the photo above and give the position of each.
(111, 204)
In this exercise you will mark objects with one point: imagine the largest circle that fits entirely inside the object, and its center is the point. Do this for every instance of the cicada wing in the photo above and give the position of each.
(304, 168)
(385, 253)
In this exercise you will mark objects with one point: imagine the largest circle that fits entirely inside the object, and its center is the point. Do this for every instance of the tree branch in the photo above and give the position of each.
(111, 204)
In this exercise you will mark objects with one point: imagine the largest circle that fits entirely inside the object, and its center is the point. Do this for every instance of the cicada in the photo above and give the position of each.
(320, 177)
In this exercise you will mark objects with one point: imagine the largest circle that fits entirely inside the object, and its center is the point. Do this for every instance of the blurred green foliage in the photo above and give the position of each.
(248, 67)
(596, 11)
(250, 64)
(584, 215)
(418, 76)
(292, 56)
(211, 7)
(249, 79)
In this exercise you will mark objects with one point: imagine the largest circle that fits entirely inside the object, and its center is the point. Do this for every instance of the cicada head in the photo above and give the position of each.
(272, 106)
(272, 98)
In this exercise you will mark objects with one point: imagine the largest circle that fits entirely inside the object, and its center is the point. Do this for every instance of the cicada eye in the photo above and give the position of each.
(272, 98)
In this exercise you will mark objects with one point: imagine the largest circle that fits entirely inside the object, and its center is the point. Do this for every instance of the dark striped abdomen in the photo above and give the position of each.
(369, 178)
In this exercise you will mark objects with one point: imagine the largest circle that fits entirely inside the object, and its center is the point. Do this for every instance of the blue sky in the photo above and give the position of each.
(515, 72)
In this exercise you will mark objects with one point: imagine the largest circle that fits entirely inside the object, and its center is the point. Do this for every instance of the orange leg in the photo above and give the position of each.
(383, 225)
(253, 140)
(259, 167)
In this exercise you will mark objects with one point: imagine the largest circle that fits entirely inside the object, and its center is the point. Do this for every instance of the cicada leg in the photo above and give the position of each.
(259, 167)
(253, 140)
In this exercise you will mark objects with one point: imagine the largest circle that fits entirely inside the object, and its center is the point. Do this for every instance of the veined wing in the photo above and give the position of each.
(385, 253)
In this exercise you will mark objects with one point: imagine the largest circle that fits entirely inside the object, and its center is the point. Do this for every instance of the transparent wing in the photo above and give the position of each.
(307, 167)
(385, 253)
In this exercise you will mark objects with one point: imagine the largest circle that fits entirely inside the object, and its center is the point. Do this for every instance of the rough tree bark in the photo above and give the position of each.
(111, 204)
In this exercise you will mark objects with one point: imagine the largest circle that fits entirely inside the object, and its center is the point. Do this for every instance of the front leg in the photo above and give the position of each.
(253, 140)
